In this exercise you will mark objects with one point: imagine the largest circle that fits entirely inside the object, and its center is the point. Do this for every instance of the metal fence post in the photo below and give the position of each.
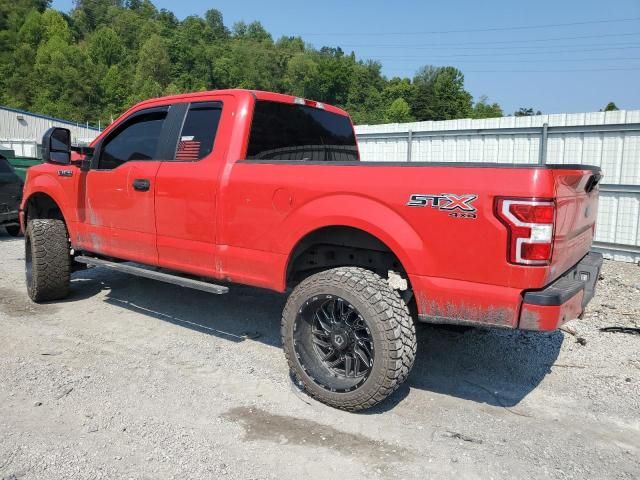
(409, 142)
(542, 159)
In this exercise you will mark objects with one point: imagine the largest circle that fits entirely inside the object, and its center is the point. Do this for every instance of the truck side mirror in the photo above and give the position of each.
(56, 146)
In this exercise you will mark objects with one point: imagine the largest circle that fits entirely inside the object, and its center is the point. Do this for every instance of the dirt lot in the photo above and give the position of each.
(130, 378)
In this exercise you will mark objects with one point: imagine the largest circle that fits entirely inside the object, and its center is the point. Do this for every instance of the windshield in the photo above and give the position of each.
(282, 131)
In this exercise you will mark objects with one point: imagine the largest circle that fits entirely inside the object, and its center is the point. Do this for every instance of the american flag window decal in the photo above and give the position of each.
(188, 149)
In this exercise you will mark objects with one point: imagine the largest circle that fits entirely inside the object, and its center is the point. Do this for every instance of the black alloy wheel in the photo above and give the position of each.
(333, 343)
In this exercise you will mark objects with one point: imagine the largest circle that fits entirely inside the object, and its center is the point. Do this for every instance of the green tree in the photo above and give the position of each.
(91, 14)
(213, 18)
(440, 94)
(55, 25)
(399, 88)
(114, 88)
(526, 112)
(450, 97)
(253, 31)
(32, 30)
(482, 109)
(105, 47)
(19, 85)
(399, 111)
(190, 64)
(423, 102)
(364, 100)
(301, 73)
(63, 84)
(610, 107)
(334, 77)
(152, 69)
(128, 25)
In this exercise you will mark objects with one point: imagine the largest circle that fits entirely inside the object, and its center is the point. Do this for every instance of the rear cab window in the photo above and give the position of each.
(282, 131)
(198, 131)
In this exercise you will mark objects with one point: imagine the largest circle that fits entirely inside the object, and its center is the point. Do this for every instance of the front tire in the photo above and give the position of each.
(47, 259)
(348, 337)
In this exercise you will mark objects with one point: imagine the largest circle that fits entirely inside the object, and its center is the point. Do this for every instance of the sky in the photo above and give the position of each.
(560, 56)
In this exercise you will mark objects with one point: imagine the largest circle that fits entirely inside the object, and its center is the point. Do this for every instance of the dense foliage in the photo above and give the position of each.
(105, 55)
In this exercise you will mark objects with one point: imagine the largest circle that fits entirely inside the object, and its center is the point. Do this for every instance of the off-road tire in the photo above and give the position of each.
(47, 260)
(391, 325)
(13, 230)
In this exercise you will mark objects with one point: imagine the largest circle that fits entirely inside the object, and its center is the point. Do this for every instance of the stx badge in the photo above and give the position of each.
(459, 206)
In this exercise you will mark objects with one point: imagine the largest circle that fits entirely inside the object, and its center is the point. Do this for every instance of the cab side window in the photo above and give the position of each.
(198, 131)
(136, 139)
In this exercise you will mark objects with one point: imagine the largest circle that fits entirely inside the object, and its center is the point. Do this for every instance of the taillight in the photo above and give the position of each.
(530, 225)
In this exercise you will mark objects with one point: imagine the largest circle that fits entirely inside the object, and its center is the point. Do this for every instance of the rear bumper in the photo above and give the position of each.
(564, 299)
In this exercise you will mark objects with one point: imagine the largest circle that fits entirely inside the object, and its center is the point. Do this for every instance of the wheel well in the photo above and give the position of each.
(41, 205)
(340, 246)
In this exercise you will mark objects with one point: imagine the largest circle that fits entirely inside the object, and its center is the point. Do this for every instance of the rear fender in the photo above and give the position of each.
(359, 212)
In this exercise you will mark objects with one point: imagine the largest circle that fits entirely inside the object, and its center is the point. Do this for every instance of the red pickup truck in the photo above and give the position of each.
(267, 190)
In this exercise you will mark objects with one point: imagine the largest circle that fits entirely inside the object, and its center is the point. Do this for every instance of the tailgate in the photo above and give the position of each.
(576, 212)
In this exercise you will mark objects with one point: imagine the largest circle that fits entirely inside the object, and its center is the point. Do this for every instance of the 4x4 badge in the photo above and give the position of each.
(460, 206)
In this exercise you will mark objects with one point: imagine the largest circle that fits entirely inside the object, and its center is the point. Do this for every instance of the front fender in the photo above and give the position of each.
(38, 183)
(359, 212)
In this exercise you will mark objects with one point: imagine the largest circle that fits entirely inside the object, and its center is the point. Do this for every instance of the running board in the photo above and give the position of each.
(154, 275)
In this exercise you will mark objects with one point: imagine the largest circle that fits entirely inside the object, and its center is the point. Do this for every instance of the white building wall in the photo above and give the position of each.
(22, 131)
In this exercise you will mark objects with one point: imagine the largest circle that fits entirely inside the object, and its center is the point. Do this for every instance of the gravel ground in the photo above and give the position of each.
(129, 378)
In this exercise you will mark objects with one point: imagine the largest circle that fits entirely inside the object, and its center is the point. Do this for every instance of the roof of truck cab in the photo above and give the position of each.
(256, 94)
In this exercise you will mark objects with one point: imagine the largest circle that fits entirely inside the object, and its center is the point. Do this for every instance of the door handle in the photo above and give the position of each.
(141, 184)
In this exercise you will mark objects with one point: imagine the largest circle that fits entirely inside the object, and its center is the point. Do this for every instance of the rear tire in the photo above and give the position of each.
(343, 317)
(13, 230)
(47, 259)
